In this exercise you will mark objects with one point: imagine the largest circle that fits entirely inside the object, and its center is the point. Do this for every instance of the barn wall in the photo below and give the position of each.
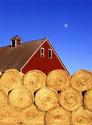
(43, 63)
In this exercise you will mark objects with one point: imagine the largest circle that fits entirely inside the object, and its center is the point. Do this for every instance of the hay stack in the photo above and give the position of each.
(37, 99)
(34, 80)
(82, 117)
(20, 97)
(8, 115)
(82, 80)
(70, 99)
(58, 116)
(46, 99)
(10, 79)
(88, 100)
(58, 79)
(3, 99)
(32, 116)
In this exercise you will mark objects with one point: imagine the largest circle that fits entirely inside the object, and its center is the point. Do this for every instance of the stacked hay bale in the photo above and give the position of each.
(82, 82)
(37, 99)
(9, 80)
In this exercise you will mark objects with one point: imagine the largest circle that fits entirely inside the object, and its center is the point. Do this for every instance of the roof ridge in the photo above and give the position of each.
(25, 42)
(16, 57)
(37, 40)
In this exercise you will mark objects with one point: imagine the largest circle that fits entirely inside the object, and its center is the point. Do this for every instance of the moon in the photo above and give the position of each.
(66, 25)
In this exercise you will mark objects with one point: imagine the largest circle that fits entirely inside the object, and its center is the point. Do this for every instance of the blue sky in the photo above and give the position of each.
(35, 19)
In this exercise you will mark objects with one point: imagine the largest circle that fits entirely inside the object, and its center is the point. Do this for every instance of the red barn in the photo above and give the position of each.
(25, 56)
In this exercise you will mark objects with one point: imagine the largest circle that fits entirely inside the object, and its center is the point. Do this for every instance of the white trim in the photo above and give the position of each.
(49, 50)
(16, 44)
(53, 51)
(33, 54)
(42, 55)
(57, 56)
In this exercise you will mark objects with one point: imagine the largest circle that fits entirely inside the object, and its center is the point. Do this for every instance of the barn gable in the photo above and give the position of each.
(37, 54)
(58, 58)
(46, 62)
(16, 57)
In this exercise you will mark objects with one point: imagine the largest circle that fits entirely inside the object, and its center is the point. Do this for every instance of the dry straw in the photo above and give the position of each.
(36, 99)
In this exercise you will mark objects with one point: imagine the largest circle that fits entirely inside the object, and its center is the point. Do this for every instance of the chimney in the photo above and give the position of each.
(16, 40)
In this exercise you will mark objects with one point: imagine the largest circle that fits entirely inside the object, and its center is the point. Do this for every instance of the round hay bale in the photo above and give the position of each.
(82, 80)
(58, 116)
(20, 97)
(15, 71)
(32, 116)
(10, 79)
(87, 100)
(81, 117)
(34, 80)
(8, 116)
(3, 99)
(46, 99)
(70, 99)
(58, 79)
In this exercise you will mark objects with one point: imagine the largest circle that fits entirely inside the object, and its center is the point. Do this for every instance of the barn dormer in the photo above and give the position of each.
(16, 40)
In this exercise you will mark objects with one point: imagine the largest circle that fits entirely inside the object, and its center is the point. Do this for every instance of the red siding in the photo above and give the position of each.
(43, 63)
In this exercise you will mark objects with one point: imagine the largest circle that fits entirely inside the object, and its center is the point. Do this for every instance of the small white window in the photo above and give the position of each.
(50, 53)
(42, 51)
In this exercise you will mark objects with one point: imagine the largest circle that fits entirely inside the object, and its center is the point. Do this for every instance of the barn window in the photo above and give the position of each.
(50, 53)
(13, 43)
(42, 52)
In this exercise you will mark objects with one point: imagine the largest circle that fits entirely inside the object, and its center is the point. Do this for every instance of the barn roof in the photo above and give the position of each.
(16, 57)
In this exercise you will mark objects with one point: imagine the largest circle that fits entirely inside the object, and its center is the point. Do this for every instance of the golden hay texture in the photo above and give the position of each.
(82, 80)
(10, 79)
(8, 115)
(34, 80)
(46, 99)
(36, 99)
(32, 116)
(58, 79)
(58, 116)
(3, 99)
(19, 74)
(70, 99)
(81, 117)
(88, 100)
(20, 97)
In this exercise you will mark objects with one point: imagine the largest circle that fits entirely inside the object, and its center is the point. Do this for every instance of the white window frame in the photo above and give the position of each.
(42, 54)
(50, 50)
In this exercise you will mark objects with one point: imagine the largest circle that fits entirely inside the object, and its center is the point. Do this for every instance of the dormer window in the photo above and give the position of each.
(13, 43)
(42, 51)
(50, 53)
(16, 40)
